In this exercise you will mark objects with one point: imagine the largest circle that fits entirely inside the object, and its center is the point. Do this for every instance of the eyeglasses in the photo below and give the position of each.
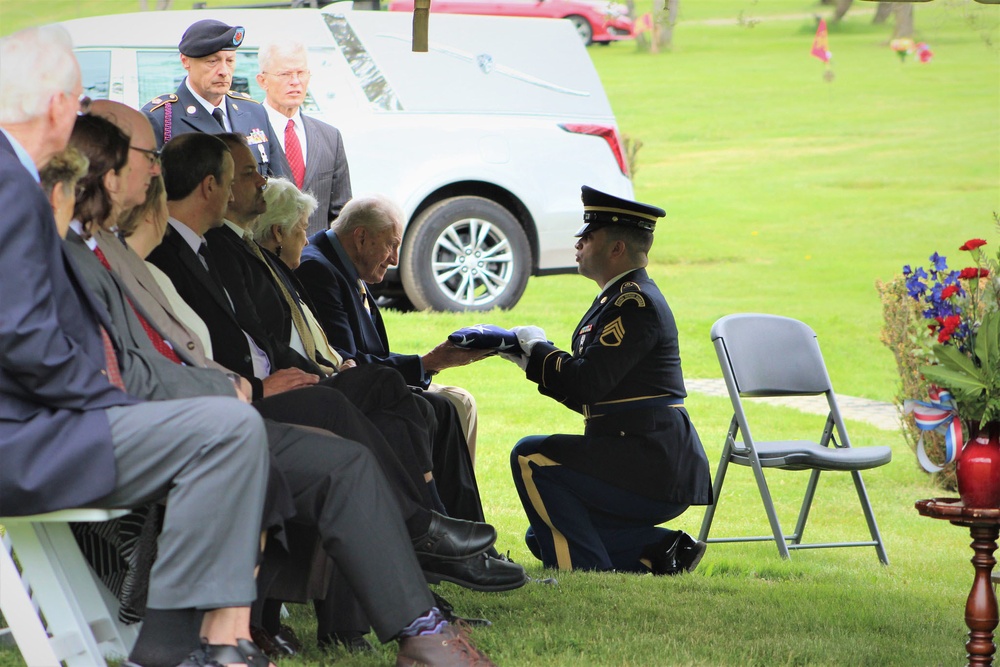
(152, 155)
(300, 74)
(85, 103)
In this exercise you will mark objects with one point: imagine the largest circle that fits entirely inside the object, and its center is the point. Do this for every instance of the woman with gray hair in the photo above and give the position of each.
(281, 234)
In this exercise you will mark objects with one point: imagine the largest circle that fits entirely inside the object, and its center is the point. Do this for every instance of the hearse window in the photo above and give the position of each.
(378, 91)
(95, 69)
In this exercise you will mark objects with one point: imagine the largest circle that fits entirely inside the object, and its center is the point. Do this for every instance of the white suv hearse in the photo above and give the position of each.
(484, 141)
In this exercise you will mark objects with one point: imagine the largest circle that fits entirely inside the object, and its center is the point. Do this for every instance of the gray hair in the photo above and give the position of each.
(275, 49)
(286, 207)
(37, 64)
(375, 213)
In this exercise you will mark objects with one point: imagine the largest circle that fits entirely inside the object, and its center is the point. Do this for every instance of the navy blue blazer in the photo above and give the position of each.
(55, 442)
(333, 288)
(246, 116)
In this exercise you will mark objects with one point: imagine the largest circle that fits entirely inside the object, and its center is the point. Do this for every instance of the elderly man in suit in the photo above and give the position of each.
(70, 434)
(204, 102)
(312, 152)
(337, 268)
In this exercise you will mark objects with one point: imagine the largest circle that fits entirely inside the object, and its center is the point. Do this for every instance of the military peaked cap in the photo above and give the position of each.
(602, 210)
(203, 38)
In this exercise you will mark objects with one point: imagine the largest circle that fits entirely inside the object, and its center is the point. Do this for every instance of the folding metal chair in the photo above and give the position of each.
(80, 626)
(767, 355)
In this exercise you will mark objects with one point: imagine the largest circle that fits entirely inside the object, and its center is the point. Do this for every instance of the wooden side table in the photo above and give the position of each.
(981, 608)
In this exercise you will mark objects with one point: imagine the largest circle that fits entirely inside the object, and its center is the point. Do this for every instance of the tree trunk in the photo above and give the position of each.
(842, 7)
(882, 12)
(665, 38)
(904, 21)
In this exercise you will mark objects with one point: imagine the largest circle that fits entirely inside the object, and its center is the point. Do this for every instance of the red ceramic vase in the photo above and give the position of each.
(978, 470)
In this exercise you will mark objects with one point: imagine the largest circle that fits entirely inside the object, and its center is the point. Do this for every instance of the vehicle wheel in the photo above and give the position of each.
(465, 253)
(583, 28)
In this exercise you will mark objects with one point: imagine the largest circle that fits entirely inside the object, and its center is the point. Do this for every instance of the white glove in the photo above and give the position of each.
(528, 336)
(519, 359)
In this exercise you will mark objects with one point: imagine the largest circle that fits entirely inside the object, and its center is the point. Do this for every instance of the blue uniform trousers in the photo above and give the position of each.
(581, 522)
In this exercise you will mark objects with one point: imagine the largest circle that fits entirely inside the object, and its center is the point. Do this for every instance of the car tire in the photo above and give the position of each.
(465, 253)
(583, 28)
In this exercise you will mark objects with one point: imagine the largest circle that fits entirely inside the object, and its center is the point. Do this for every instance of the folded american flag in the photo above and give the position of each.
(485, 337)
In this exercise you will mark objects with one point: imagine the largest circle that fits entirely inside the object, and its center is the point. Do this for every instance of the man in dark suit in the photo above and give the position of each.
(338, 490)
(242, 343)
(594, 500)
(204, 101)
(70, 435)
(312, 152)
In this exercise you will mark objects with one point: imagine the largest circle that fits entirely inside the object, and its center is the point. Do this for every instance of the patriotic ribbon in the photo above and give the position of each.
(939, 414)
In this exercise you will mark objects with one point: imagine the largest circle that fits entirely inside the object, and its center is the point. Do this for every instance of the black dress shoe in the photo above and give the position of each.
(287, 641)
(448, 611)
(352, 642)
(448, 538)
(673, 554)
(478, 573)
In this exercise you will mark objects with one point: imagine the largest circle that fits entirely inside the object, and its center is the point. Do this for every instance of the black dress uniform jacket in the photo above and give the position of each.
(246, 117)
(624, 376)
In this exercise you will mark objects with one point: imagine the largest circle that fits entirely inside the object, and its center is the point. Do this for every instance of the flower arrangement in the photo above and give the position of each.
(962, 312)
(904, 46)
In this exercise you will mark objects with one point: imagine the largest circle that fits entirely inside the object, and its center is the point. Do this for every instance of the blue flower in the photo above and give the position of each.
(940, 263)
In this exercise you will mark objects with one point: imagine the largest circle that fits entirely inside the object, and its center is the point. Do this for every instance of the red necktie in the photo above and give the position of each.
(155, 338)
(111, 360)
(293, 152)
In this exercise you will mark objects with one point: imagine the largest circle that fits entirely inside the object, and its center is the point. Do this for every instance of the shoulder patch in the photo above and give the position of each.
(237, 95)
(613, 333)
(631, 296)
(160, 101)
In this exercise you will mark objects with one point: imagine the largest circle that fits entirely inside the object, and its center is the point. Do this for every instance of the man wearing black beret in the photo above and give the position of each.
(595, 500)
(204, 102)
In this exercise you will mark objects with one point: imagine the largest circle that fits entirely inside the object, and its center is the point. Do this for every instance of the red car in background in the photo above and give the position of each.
(598, 21)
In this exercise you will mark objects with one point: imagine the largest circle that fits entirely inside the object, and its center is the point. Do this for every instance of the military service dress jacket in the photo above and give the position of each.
(246, 117)
(624, 376)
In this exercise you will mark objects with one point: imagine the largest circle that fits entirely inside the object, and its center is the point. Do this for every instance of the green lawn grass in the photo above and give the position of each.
(785, 194)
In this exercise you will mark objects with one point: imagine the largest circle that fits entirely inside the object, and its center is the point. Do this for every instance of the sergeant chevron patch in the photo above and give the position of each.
(613, 333)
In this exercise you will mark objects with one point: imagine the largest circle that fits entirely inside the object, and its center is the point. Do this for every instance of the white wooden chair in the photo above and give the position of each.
(56, 608)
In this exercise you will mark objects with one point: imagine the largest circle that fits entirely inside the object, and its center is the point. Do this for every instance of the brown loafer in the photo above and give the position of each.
(450, 648)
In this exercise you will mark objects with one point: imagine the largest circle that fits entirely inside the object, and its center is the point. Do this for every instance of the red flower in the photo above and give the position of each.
(972, 244)
(948, 326)
(949, 291)
(972, 273)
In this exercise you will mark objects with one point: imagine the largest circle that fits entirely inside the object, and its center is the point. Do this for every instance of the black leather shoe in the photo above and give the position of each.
(353, 642)
(447, 538)
(478, 573)
(673, 555)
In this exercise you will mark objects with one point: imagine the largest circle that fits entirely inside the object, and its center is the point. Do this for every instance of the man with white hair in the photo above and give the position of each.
(312, 152)
(70, 435)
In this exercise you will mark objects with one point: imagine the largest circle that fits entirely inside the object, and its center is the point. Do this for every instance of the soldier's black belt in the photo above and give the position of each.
(602, 409)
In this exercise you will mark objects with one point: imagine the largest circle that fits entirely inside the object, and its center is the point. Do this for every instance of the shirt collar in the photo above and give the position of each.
(338, 247)
(77, 227)
(205, 103)
(279, 120)
(186, 233)
(22, 155)
(242, 233)
(616, 279)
